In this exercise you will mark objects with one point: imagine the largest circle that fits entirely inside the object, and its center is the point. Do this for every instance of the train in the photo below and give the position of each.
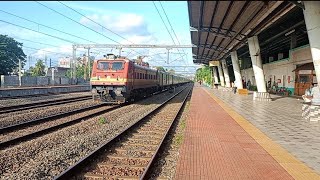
(116, 80)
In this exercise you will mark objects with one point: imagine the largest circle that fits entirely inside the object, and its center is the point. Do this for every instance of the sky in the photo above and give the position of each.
(119, 22)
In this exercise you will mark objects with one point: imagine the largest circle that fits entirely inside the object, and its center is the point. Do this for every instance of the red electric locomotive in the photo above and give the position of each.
(118, 79)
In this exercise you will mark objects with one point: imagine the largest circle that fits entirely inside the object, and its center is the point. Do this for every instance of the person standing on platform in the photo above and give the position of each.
(248, 84)
(234, 88)
(307, 94)
(315, 95)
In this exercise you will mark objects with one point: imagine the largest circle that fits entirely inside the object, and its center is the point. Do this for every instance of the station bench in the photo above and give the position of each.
(243, 91)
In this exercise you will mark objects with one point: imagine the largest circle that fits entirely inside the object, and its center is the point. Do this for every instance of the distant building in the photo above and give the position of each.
(64, 62)
(59, 71)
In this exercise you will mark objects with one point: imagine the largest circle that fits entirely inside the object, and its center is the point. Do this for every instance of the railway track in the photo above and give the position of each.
(13, 128)
(131, 154)
(37, 95)
(21, 107)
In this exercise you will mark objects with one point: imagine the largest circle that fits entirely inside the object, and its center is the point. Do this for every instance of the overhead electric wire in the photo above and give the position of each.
(163, 22)
(171, 26)
(47, 27)
(82, 25)
(76, 21)
(46, 51)
(165, 25)
(43, 43)
(38, 31)
(97, 23)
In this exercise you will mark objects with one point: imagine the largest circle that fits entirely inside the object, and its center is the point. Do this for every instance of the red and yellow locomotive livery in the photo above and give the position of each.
(117, 80)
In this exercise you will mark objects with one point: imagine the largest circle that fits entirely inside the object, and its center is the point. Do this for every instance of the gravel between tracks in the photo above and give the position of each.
(31, 114)
(27, 100)
(47, 156)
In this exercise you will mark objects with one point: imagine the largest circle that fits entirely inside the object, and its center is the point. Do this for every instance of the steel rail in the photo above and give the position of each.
(8, 109)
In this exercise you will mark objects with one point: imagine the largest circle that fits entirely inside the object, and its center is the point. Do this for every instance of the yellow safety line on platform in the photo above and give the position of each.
(292, 165)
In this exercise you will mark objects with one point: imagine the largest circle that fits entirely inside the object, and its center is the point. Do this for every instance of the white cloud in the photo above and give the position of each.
(13, 31)
(125, 23)
(53, 52)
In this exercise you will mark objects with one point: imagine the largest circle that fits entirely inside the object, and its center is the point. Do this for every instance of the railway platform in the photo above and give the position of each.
(230, 136)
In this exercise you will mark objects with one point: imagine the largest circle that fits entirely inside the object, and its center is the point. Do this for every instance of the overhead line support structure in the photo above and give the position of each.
(120, 46)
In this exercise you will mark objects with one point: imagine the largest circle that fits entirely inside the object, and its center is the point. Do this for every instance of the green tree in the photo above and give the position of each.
(38, 70)
(171, 71)
(204, 74)
(10, 53)
(160, 68)
(80, 71)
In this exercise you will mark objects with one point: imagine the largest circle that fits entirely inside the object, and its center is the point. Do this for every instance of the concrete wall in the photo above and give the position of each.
(282, 69)
(29, 81)
(64, 80)
(42, 81)
(14, 92)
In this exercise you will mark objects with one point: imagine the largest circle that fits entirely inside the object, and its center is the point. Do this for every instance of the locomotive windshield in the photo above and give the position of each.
(103, 65)
(117, 66)
(110, 65)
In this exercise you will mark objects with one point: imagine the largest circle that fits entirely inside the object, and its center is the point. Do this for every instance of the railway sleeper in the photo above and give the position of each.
(121, 170)
(142, 141)
(138, 147)
(154, 127)
(128, 153)
(149, 136)
(123, 160)
(125, 150)
(145, 138)
(149, 131)
(92, 176)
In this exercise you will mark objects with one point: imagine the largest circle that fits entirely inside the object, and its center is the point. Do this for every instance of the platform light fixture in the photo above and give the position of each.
(193, 29)
(290, 32)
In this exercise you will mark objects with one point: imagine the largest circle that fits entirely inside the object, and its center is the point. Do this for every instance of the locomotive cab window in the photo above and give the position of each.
(102, 65)
(117, 66)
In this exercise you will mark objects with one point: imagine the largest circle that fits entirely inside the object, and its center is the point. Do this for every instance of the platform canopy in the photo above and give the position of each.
(219, 27)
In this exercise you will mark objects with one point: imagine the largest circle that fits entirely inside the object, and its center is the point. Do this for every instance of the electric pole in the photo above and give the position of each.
(89, 65)
(29, 59)
(168, 55)
(45, 59)
(19, 72)
(120, 51)
(73, 64)
(85, 66)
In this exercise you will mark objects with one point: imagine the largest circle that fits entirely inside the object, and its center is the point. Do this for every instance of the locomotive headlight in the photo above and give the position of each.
(98, 77)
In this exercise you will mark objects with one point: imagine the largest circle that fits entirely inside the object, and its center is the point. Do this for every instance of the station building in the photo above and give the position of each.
(275, 45)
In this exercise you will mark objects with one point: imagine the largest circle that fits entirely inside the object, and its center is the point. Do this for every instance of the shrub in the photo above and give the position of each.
(102, 120)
